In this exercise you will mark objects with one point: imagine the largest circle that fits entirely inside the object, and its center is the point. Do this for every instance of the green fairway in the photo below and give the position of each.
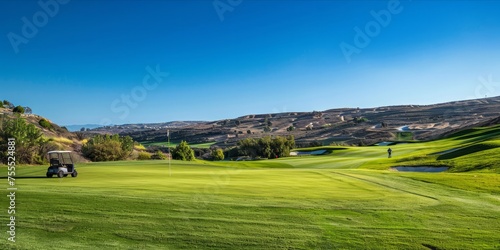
(139, 205)
(345, 199)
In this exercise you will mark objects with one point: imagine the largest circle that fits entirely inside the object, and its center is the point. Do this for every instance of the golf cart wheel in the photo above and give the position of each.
(74, 174)
(60, 174)
(49, 175)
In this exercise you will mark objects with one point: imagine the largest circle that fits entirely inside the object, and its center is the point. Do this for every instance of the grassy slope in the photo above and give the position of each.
(335, 201)
(471, 150)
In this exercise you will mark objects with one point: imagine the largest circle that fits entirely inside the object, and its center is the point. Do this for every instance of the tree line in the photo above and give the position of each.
(267, 147)
(32, 146)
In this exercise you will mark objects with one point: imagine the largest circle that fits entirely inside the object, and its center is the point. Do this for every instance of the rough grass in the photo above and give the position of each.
(62, 140)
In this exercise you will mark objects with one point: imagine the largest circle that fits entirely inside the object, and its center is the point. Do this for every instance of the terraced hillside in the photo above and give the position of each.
(346, 125)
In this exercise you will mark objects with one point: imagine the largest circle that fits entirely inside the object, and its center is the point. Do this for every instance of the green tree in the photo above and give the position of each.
(45, 124)
(28, 138)
(18, 109)
(8, 104)
(267, 147)
(108, 148)
(183, 152)
(281, 146)
(218, 155)
(267, 122)
(248, 147)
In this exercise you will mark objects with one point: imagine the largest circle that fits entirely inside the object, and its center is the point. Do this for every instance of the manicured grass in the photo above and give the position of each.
(347, 199)
(476, 150)
(234, 205)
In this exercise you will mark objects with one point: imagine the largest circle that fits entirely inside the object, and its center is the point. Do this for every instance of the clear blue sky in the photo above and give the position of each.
(263, 57)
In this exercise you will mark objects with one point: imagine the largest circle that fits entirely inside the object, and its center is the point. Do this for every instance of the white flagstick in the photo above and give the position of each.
(169, 154)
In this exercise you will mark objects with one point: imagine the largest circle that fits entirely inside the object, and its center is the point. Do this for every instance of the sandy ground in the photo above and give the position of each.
(428, 169)
(317, 152)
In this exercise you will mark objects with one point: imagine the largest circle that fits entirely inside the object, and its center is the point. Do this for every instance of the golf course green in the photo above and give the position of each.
(348, 198)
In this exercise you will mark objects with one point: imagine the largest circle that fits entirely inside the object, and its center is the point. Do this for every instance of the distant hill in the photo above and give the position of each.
(128, 127)
(356, 126)
(75, 128)
(163, 126)
(352, 126)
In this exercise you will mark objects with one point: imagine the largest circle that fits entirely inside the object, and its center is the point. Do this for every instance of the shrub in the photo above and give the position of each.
(18, 109)
(143, 156)
(108, 148)
(218, 155)
(183, 152)
(8, 104)
(360, 119)
(80, 136)
(159, 156)
(45, 124)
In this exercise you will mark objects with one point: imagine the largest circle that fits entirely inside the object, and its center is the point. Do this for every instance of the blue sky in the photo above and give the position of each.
(87, 60)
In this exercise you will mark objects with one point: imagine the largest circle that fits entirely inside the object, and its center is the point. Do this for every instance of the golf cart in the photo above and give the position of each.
(61, 164)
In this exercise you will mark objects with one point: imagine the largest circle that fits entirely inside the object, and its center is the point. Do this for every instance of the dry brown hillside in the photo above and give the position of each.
(61, 138)
(343, 125)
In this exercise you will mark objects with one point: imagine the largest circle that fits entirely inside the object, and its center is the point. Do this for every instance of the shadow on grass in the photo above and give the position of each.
(467, 150)
(24, 177)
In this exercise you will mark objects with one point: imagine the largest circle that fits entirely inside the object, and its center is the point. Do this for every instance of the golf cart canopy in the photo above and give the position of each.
(60, 157)
(61, 164)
